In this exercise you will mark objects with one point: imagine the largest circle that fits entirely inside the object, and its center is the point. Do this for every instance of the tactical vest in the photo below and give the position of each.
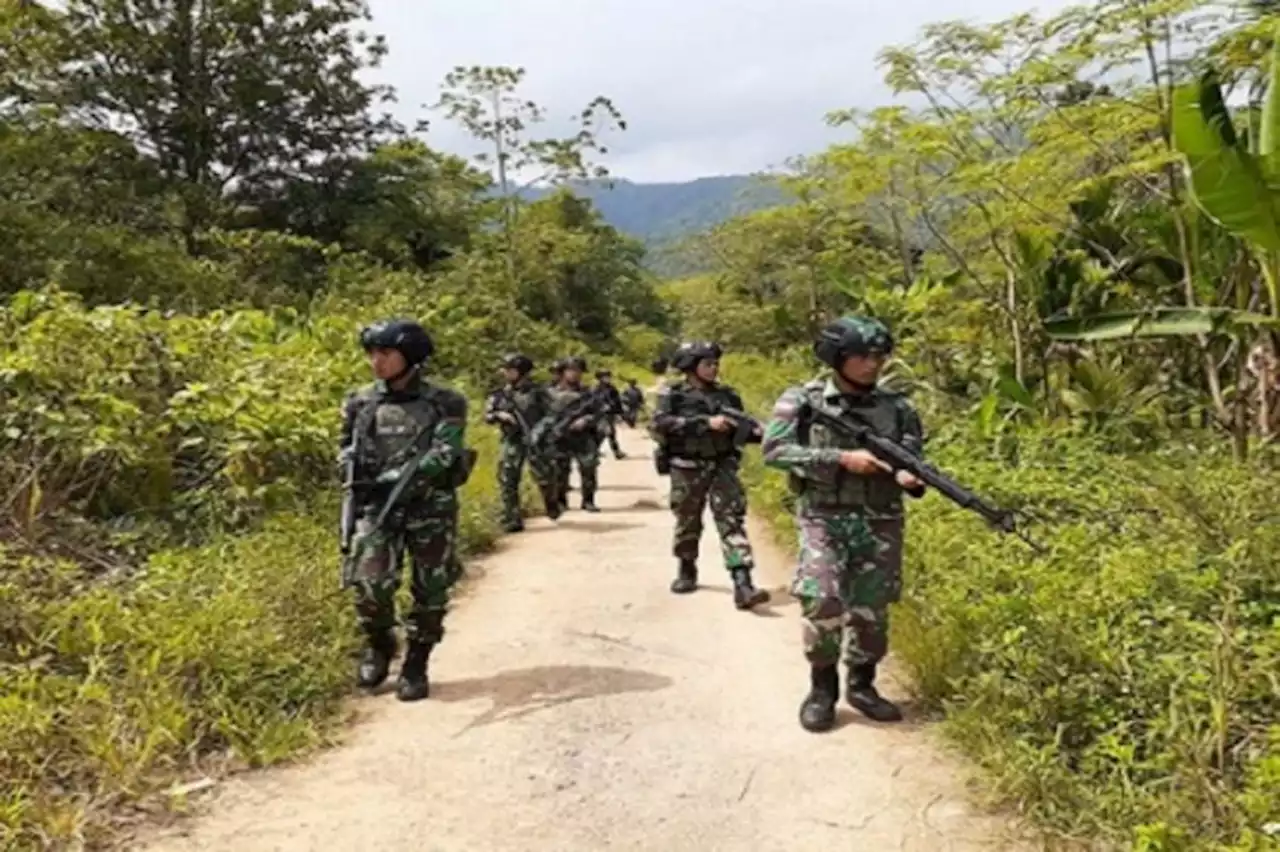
(876, 495)
(393, 430)
(529, 401)
(561, 399)
(690, 402)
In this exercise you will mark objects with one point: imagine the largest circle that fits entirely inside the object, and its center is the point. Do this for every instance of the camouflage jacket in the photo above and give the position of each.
(385, 428)
(563, 396)
(681, 421)
(810, 453)
(531, 403)
(610, 399)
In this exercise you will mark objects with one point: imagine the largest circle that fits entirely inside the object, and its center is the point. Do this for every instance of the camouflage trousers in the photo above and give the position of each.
(586, 453)
(511, 466)
(425, 533)
(694, 484)
(850, 571)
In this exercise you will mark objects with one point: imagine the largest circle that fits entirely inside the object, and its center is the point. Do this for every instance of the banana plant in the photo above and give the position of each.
(1236, 183)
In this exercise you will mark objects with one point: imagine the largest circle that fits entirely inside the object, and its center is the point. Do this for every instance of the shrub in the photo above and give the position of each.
(168, 585)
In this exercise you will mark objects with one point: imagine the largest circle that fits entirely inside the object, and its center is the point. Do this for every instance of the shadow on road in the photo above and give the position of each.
(520, 692)
(596, 527)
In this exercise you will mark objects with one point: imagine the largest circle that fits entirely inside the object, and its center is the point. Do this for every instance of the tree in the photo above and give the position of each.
(224, 95)
(485, 101)
(404, 204)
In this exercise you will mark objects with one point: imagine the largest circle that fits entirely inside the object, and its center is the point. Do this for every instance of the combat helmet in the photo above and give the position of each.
(522, 364)
(403, 335)
(852, 335)
(692, 352)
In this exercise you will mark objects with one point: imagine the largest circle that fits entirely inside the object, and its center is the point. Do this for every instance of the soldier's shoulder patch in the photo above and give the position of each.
(790, 402)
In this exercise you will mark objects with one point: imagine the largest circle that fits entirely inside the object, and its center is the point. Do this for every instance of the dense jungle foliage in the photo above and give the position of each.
(1075, 241)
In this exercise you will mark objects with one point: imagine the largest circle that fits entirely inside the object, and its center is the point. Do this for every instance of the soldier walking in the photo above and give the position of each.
(703, 462)
(403, 428)
(632, 403)
(849, 513)
(611, 403)
(517, 408)
(580, 443)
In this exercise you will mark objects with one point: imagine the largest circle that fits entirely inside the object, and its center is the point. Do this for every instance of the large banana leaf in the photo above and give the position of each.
(1226, 182)
(1269, 133)
(1158, 322)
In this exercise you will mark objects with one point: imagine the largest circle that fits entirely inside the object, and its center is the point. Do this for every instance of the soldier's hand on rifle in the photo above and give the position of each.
(719, 423)
(863, 462)
(908, 480)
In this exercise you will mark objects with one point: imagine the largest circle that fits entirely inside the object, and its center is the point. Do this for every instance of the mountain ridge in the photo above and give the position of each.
(662, 211)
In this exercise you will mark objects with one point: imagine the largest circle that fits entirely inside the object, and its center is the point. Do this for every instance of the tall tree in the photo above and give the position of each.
(485, 101)
(225, 93)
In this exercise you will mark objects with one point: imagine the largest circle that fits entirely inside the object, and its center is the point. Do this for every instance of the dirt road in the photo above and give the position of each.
(578, 705)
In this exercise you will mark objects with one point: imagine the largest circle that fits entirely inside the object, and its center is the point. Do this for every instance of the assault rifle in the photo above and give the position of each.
(899, 458)
(746, 430)
(557, 425)
(507, 403)
(350, 487)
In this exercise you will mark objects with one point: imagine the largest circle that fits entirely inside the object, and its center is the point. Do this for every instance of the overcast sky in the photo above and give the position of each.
(707, 86)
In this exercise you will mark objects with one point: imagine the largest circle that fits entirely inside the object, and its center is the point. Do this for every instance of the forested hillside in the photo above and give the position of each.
(1076, 245)
(661, 215)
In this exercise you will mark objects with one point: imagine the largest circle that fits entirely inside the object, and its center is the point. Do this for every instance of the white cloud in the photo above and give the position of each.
(707, 86)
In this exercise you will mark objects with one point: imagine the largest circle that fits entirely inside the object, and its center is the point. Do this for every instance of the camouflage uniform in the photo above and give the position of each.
(632, 403)
(582, 447)
(531, 403)
(611, 403)
(703, 466)
(850, 526)
(393, 425)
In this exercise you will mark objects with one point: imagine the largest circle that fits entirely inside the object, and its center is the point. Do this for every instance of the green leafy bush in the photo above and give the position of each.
(124, 660)
(1122, 687)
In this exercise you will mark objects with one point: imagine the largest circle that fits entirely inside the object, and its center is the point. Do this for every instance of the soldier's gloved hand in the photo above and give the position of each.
(719, 423)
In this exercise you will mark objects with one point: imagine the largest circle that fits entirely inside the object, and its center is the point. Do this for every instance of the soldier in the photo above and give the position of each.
(703, 462)
(400, 418)
(632, 403)
(850, 516)
(518, 407)
(611, 402)
(580, 443)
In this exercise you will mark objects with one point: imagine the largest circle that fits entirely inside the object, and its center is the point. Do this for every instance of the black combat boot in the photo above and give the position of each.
(376, 659)
(513, 526)
(818, 712)
(686, 577)
(413, 685)
(589, 501)
(745, 594)
(862, 695)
